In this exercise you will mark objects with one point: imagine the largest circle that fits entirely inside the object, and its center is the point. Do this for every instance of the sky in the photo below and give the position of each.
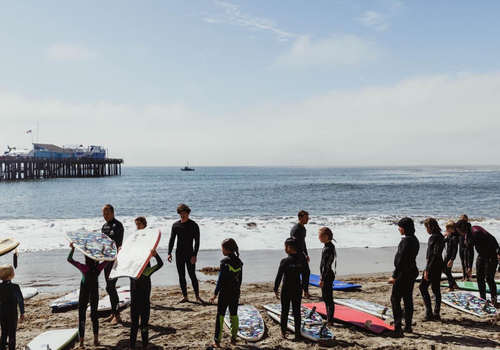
(255, 82)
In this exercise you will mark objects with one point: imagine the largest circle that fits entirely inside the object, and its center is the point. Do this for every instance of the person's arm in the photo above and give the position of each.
(279, 277)
(223, 271)
(148, 271)
(19, 298)
(433, 252)
(78, 265)
(469, 242)
(196, 239)
(119, 232)
(240, 273)
(399, 262)
(171, 242)
(454, 249)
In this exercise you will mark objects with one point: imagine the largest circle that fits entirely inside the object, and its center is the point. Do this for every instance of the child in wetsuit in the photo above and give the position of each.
(140, 292)
(290, 270)
(327, 274)
(228, 285)
(89, 291)
(10, 298)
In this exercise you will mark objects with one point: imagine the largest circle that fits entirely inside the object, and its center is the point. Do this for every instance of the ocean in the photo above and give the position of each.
(257, 206)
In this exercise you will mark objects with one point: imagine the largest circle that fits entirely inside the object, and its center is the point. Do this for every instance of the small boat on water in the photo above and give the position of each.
(187, 168)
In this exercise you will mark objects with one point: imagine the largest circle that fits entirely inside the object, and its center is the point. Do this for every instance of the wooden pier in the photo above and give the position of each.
(27, 168)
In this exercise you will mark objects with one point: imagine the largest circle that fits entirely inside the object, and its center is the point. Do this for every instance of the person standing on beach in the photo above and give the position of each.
(327, 274)
(114, 230)
(299, 233)
(451, 238)
(187, 232)
(433, 269)
(466, 252)
(290, 270)
(488, 254)
(10, 298)
(404, 275)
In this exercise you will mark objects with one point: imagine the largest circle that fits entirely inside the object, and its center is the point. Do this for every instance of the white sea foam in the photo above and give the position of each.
(251, 233)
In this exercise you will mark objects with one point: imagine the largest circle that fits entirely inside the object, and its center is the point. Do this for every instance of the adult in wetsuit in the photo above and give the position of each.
(404, 275)
(488, 254)
(290, 270)
(433, 269)
(186, 231)
(228, 285)
(114, 230)
(89, 291)
(466, 254)
(10, 298)
(327, 273)
(451, 240)
(299, 233)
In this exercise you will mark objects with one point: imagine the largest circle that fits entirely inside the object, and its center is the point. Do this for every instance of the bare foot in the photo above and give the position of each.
(307, 295)
(184, 300)
(233, 341)
(115, 320)
(330, 324)
(201, 301)
(108, 319)
(283, 335)
(215, 345)
(81, 345)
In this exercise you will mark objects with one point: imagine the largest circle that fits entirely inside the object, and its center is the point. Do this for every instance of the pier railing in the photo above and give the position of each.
(26, 168)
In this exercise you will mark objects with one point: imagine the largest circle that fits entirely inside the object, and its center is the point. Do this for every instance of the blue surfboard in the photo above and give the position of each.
(337, 285)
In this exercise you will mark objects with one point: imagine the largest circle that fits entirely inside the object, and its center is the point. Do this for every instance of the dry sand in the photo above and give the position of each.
(191, 325)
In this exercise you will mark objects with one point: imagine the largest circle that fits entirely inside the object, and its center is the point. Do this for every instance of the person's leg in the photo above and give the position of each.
(145, 313)
(233, 314)
(12, 328)
(470, 253)
(327, 294)
(179, 262)
(396, 295)
(83, 300)
(285, 309)
(192, 275)
(134, 313)
(480, 274)
(490, 270)
(94, 302)
(305, 278)
(424, 290)
(5, 332)
(219, 320)
(113, 294)
(408, 285)
(297, 317)
(436, 290)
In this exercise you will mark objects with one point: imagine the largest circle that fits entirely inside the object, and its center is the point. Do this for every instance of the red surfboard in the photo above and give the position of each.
(358, 318)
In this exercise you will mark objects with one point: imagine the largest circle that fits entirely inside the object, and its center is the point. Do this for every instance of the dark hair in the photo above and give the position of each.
(142, 220)
(464, 217)
(325, 231)
(302, 213)
(464, 225)
(433, 225)
(291, 242)
(183, 208)
(230, 244)
(110, 207)
(408, 225)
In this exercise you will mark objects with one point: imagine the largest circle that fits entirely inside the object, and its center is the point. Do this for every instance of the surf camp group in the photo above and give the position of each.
(293, 276)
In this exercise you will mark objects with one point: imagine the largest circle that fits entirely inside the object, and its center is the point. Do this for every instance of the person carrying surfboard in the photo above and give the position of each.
(327, 273)
(140, 293)
(187, 232)
(114, 230)
(488, 255)
(89, 292)
(10, 298)
(404, 275)
(433, 269)
(290, 270)
(299, 233)
(228, 289)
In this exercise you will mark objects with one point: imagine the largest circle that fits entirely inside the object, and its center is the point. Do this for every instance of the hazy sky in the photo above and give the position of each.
(255, 82)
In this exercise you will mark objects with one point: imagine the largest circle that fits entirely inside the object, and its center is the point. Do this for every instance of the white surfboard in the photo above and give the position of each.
(70, 299)
(52, 340)
(7, 245)
(123, 296)
(29, 292)
(135, 253)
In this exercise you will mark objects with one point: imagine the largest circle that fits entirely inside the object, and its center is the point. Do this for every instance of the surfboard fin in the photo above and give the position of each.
(312, 312)
(385, 311)
(368, 324)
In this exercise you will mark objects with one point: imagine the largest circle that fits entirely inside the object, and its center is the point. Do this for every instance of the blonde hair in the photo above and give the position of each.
(451, 225)
(6, 271)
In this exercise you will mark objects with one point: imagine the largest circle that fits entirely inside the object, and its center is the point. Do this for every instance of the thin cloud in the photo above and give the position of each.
(232, 15)
(335, 51)
(381, 20)
(70, 53)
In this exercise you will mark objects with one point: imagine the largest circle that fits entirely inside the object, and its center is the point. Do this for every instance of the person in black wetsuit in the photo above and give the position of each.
(228, 288)
(299, 233)
(327, 273)
(451, 240)
(290, 270)
(114, 230)
(404, 275)
(186, 231)
(488, 254)
(140, 293)
(433, 269)
(10, 298)
(466, 252)
(89, 292)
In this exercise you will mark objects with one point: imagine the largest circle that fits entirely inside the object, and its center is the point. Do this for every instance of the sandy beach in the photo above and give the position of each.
(191, 325)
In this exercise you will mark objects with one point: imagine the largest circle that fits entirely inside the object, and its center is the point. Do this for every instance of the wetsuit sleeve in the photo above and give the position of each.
(241, 274)
(78, 265)
(305, 247)
(433, 252)
(19, 298)
(224, 270)
(401, 256)
(196, 240)
(172, 240)
(148, 271)
(118, 237)
(279, 276)
(328, 258)
(469, 242)
(454, 248)
(102, 265)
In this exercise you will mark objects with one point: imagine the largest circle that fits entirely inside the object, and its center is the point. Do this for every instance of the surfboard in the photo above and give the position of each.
(53, 340)
(469, 303)
(135, 253)
(374, 309)
(251, 325)
(468, 285)
(29, 292)
(355, 317)
(313, 326)
(68, 300)
(95, 245)
(456, 275)
(337, 285)
(7, 245)
(124, 300)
